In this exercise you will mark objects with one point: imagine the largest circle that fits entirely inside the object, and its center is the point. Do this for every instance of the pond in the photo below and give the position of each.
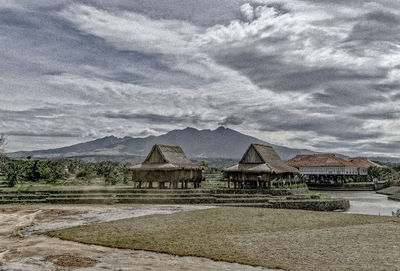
(366, 202)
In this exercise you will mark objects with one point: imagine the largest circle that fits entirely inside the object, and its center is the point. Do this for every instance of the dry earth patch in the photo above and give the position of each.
(287, 239)
(30, 249)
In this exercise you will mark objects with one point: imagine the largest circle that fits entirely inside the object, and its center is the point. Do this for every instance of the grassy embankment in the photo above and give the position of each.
(287, 239)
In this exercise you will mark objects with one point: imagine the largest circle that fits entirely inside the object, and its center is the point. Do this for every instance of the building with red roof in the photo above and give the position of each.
(330, 169)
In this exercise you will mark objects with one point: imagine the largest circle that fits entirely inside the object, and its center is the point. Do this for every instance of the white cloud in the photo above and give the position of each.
(247, 12)
(132, 31)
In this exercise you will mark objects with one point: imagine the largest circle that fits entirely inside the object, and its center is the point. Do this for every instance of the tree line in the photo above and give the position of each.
(13, 171)
(62, 171)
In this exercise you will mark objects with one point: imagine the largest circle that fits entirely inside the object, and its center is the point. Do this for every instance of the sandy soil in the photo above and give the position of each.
(24, 245)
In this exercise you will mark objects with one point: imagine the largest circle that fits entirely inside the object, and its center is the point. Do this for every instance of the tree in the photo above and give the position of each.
(204, 164)
(2, 149)
(2, 143)
(3, 158)
(375, 172)
(12, 174)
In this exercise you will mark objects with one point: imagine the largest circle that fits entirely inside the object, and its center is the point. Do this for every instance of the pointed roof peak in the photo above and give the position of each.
(265, 156)
(168, 154)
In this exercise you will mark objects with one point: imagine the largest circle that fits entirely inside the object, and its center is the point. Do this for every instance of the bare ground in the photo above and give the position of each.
(286, 239)
(23, 246)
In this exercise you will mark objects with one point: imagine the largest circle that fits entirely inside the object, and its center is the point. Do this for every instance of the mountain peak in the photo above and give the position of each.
(190, 129)
(187, 130)
(222, 129)
(110, 136)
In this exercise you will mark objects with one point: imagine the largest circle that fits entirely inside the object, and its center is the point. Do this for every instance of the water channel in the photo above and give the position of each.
(366, 202)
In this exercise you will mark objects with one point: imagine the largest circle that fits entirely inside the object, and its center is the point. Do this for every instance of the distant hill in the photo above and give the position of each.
(217, 147)
(222, 143)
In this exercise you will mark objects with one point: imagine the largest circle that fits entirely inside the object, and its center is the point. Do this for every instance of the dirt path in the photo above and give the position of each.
(24, 246)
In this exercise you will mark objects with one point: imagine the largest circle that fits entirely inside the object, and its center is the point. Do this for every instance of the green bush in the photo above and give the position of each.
(62, 170)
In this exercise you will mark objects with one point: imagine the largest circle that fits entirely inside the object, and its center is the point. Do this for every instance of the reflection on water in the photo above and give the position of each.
(366, 202)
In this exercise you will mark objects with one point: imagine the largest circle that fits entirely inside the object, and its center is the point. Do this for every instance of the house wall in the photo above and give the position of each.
(251, 157)
(243, 176)
(254, 177)
(329, 170)
(155, 157)
(363, 171)
(167, 176)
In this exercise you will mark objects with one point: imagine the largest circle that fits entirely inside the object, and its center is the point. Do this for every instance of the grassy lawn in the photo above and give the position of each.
(213, 184)
(360, 183)
(52, 187)
(287, 239)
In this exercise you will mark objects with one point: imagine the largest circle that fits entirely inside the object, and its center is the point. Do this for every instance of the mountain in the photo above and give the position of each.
(219, 143)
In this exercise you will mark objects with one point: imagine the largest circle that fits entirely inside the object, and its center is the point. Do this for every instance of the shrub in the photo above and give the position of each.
(12, 174)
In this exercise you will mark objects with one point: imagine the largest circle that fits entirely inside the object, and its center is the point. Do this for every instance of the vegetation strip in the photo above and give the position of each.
(276, 198)
(255, 236)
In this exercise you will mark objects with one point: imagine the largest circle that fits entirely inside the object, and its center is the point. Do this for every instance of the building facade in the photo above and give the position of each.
(166, 167)
(330, 169)
(260, 167)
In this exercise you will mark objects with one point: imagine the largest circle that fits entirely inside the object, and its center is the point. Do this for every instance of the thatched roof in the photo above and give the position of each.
(363, 162)
(165, 157)
(261, 159)
(318, 160)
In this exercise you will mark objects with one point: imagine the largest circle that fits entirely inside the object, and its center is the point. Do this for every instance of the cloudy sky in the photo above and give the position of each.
(317, 74)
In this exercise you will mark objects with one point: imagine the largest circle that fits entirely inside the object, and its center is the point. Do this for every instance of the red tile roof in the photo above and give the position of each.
(363, 162)
(319, 160)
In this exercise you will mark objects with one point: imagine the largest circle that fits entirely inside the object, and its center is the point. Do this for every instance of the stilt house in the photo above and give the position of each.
(324, 168)
(259, 167)
(166, 165)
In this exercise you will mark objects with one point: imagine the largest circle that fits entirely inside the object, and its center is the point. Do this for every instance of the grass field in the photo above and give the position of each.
(287, 239)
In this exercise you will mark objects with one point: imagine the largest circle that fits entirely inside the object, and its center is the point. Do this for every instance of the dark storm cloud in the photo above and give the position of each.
(345, 95)
(382, 147)
(267, 71)
(388, 115)
(386, 87)
(377, 30)
(231, 120)
(376, 26)
(341, 128)
(323, 145)
(29, 37)
(23, 114)
(48, 134)
(155, 118)
(357, 148)
(396, 97)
